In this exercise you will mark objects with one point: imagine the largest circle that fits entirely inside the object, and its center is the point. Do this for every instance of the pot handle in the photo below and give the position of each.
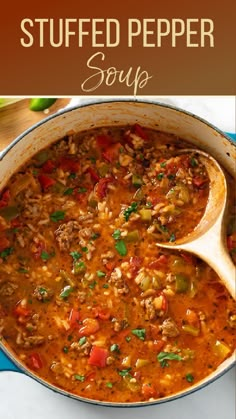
(6, 364)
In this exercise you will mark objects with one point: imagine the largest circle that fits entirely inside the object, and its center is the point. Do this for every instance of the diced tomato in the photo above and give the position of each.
(102, 185)
(140, 132)
(21, 310)
(49, 166)
(89, 327)
(90, 376)
(45, 181)
(94, 176)
(102, 313)
(74, 318)
(109, 266)
(135, 264)
(112, 152)
(148, 390)
(69, 165)
(103, 141)
(199, 181)
(98, 357)
(35, 361)
(161, 261)
(158, 345)
(37, 249)
(4, 243)
(5, 198)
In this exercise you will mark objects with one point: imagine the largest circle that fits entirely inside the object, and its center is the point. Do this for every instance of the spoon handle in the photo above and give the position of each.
(212, 249)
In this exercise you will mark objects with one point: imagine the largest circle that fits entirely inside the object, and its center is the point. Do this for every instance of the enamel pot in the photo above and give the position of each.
(153, 115)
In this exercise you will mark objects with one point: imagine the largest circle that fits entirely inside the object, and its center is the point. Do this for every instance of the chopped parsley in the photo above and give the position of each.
(72, 176)
(193, 162)
(128, 339)
(100, 274)
(124, 373)
(133, 208)
(116, 235)
(45, 255)
(79, 377)
(172, 237)
(105, 286)
(66, 349)
(114, 348)
(163, 164)
(95, 236)
(121, 248)
(189, 377)
(109, 385)
(163, 357)
(82, 341)
(93, 285)
(67, 290)
(68, 191)
(57, 216)
(6, 252)
(82, 190)
(79, 267)
(92, 159)
(160, 176)
(140, 333)
(75, 255)
(84, 249)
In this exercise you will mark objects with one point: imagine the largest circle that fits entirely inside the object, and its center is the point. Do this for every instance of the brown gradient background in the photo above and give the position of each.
(176, 71)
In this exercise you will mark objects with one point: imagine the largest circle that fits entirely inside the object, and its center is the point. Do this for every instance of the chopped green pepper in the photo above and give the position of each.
(132, 236)
(9, 213)
(137, 180)
(181, 283)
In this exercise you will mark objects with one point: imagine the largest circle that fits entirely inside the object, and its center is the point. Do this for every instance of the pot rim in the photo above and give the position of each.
(68, 109)
(8, 352)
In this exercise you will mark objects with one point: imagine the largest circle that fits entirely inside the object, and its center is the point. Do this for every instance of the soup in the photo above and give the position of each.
(88, 301)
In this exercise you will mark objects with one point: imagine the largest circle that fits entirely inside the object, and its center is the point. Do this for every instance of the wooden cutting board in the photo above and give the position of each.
(17, 117)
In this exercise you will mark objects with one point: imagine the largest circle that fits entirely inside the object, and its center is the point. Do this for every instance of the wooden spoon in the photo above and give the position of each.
(208, 239)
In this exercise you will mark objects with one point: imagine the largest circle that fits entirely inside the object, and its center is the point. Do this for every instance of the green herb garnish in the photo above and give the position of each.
(140, 333)
(68, 191)
(116, 234)
(172, 237)
(120, 246)
(133, 208)
(6, 252)
(100, 274)
(124, 373)
(75, 255)
(67, 290)
(93, 285)
(57, 216)
(189, 378)
(114, 348)
(160, 176)
(109, 385)
(82, 341)
(163, 357)
(79, 377)
(66, 349)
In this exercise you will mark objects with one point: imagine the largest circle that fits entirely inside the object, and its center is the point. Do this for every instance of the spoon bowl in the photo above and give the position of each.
(208, 239)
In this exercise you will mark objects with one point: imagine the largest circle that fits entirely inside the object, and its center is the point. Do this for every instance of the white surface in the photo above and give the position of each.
(23, 398)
